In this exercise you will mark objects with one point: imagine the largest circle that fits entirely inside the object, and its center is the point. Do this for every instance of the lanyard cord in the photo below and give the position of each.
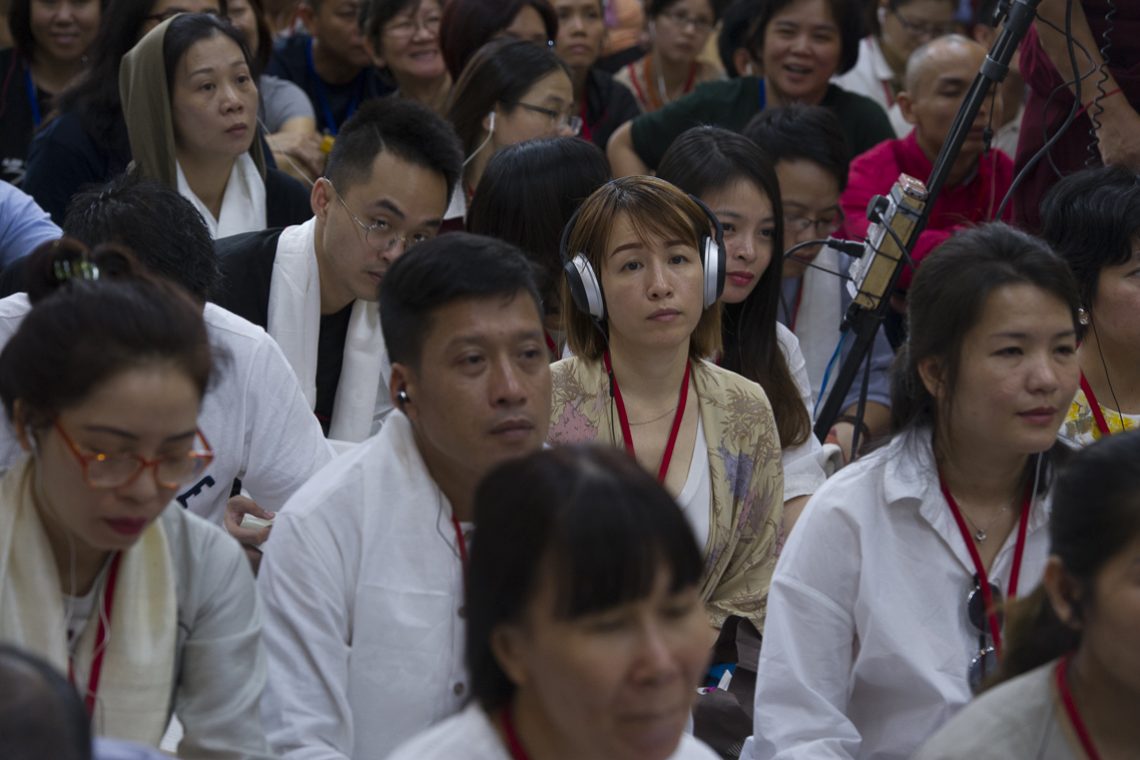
(627, 433)
(980, 569)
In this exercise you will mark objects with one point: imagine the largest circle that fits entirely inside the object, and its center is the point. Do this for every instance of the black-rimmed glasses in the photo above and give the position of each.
(572, 125)
(924, 29)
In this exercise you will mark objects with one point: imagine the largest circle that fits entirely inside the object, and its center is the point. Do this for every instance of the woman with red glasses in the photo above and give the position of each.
(147, 608)
(884, 613)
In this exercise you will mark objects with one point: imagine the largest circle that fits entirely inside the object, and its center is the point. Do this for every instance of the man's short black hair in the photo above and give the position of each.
(161, 228)
(807, 133)
(443, 270)
(407, 129)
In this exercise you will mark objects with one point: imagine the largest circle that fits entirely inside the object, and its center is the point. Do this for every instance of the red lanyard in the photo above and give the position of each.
(1097, 413)
(461, 542)
(657, 101)
(587, 132)
(1072, 712)
(100, 640)
(514, 746)
(627, 434)
(980, 569)
(550, 344)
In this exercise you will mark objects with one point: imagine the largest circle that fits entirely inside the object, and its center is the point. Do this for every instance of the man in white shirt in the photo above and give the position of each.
(362, 581)
(315, 286)
(254, 416)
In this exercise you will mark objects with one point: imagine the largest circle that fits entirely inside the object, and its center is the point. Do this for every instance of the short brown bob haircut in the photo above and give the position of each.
(654, 208)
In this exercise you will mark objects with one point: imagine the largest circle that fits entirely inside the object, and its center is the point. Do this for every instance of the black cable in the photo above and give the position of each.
(1064, 87)
(1107, 379)
(1095, 108)
(861, 408)
(788, 254)
(1048, 146)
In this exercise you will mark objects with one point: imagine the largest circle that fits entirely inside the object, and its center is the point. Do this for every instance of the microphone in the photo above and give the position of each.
(893, 218)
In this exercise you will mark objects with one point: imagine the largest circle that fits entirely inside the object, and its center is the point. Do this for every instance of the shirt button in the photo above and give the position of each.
(458, 689)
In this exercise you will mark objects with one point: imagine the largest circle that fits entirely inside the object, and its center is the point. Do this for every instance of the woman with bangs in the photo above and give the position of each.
(573, 651)
(641, 315)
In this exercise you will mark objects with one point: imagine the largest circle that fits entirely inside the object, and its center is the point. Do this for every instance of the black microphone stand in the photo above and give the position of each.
(863, 323)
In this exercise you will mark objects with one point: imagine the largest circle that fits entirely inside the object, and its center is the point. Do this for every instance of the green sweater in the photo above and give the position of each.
(731, 103)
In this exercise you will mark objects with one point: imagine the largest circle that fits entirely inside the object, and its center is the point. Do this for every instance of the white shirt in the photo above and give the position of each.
(867, 640)
(363, 591)
(872, 77)
(803, 464)
(471, 735)
(695, 499)
(253, 415)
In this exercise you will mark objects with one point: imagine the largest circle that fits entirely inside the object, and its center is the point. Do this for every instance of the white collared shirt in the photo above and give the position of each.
(867, 641)
(872, 77)
(363, 592)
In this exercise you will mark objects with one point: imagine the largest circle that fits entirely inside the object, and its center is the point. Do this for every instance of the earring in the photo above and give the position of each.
(1083, 316)
(402, 397)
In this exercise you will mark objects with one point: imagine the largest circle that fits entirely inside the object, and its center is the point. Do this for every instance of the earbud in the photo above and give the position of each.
(491, 122)
(1083, 315)
(402, 397)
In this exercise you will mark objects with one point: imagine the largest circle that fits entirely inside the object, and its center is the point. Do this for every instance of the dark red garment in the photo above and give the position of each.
(1071, 152)
(971, 202)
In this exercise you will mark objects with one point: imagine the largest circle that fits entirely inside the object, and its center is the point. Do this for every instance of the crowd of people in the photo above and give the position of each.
(442, 379)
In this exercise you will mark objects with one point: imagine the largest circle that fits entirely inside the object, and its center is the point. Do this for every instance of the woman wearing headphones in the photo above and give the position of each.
(1092, 219)
(644, 271)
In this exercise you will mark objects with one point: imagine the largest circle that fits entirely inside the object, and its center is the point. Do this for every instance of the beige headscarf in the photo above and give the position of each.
(136, 683)
(146, 108)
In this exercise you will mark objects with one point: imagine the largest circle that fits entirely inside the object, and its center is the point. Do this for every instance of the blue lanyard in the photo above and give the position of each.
(33, 101)
(762, 94)
(322, 96)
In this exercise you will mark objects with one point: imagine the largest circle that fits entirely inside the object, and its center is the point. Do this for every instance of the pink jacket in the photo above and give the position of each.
(972, 202)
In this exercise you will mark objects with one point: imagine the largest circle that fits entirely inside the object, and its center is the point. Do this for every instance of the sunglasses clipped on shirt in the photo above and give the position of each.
(984, 663)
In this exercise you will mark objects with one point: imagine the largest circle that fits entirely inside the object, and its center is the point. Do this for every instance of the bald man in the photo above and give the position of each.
(938, 75)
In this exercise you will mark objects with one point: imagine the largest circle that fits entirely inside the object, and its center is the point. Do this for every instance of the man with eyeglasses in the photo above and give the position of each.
(937, 77)
(897, 29)
(315, 287)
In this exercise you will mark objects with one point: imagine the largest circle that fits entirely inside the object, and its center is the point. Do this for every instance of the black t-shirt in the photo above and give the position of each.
(330, 359)
(247, 272)
(17, 115)
(292, 60)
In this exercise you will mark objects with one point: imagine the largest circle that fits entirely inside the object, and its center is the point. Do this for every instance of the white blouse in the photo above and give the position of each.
(867, 641)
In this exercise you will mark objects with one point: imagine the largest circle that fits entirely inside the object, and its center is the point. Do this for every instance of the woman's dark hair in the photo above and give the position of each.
(847, 15)
(946, 300)
(1095, 516)
(1092, 219)
(654, 8)
(20, 26)
(264, 37)
(589, 520)
(499, 73)
(803, 133)
(704, 160)
(528, 193)
(735, 24)
(468, 25)
(41, 715)
(94, 95)
(441, 271)
(185, 30)
(95, 314)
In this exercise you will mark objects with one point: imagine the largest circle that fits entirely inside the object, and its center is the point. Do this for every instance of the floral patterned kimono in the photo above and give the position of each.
(744, 467)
